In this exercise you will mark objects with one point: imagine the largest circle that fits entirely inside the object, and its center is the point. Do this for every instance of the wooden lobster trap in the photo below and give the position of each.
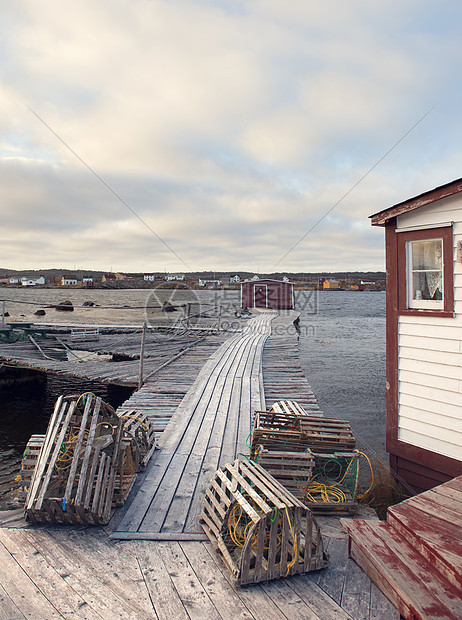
(85, 465)
(288, 406)
(28, 463)
(138, 429)
(334, 482)
(292, 469)
(277, 431)
(260, 529)
(326, 433)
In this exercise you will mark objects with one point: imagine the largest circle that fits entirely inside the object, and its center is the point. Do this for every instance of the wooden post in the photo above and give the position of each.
(3, 313)
(143, 339)
(188, 313)
(219, 318)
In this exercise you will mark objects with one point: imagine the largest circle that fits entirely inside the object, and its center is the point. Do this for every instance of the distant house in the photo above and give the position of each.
(330, 284)
(214, 284)
(285, 279)
(423, 241)
(40, 280)
(175, 276)
(68, 281)
(27, 282)
(120, 276)
(14, 280)
(108, 277)
(153, 277)
(88, 282)
(255, 277)
(234, 279)
(274, 294)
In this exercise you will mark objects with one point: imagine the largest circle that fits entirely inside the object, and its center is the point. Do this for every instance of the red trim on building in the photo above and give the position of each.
(444, 233)
(443, 191)
(391, 253)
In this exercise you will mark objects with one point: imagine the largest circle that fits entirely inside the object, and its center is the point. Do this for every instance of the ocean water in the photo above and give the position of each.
(342, 353)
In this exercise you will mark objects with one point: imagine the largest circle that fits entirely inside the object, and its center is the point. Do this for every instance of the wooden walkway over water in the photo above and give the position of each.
(158, 565)
(208, 429)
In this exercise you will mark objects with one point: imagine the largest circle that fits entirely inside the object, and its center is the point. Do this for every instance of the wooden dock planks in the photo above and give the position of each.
(216, 412)
(82, 574)
(78, 574)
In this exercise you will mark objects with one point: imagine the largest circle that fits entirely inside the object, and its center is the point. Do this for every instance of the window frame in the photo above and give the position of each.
(404, 270)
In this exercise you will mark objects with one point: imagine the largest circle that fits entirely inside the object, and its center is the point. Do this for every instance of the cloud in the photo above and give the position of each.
(230, 128)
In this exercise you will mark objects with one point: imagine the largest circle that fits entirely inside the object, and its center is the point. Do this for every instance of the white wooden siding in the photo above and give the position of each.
(430, 356)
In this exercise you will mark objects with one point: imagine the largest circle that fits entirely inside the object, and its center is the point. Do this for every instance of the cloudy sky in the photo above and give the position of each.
(142, 135)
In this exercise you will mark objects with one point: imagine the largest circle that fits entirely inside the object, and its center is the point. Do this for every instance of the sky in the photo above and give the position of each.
(189, 135)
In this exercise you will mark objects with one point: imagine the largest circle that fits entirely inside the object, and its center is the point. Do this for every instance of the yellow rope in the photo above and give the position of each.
(132, 417)
(372, 476)
(294, 538)
(318, 492)
(239, 533)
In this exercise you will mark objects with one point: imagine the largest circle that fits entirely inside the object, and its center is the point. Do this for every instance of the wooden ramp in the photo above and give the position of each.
(415, 558)
(211, 426)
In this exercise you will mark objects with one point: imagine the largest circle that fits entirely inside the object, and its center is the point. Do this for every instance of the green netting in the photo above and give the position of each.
(337, 468)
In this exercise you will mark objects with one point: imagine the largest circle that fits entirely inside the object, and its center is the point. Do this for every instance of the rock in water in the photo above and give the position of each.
(65, 306)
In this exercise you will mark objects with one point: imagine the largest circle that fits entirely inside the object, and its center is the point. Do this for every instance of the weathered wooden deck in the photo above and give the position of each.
(114, 358)
(60, 572)
(208, 429)
(81, 574)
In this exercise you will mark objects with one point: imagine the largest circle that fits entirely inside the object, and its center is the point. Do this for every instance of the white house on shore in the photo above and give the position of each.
(423, 239)
(175, 277)
(68, 281)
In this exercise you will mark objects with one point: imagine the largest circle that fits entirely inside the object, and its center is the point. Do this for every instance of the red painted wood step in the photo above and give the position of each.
(406, 577)
(436, 538)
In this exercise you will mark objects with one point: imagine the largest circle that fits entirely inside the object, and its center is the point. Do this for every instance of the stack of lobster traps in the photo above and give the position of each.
(85, 464)
(313, 456)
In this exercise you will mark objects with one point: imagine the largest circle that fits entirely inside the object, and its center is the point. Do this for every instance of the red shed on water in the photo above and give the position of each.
(274, 294)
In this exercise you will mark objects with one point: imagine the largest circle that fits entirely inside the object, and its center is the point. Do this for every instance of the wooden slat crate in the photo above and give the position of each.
(334, 482)
(288, 406)
(85, 466)
(292, 469)
(328, 432)
(138, 428)
(283, 431)
(260, 529)
(28, 463)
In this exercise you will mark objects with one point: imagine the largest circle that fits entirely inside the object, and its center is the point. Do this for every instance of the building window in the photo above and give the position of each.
(426, 271)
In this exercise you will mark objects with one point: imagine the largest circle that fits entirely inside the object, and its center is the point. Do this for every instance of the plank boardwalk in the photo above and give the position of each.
(283, 378)
(208, 429)
(157, 563)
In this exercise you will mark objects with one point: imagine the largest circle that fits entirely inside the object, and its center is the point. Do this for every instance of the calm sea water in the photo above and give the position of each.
(342, 352)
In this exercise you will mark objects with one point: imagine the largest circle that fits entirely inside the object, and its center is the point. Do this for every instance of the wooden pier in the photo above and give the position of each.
(156, 563)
